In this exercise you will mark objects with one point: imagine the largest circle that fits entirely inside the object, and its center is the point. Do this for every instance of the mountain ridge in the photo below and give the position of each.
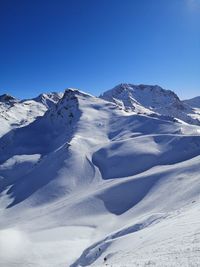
(90, 183)
(150, 99)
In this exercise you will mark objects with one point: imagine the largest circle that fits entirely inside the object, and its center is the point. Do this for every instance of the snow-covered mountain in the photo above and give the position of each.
(194, 105)
(193, 102)
(49, 99)
(151, 100)
(15, 113)
(87, 183)
(7, 99)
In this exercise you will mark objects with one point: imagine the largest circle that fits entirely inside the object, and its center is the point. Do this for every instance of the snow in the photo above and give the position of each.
(161, 242)
(194, 105)
(90, 181)
(49, 99)
(152, 100)
(193, 102)
(15, 113)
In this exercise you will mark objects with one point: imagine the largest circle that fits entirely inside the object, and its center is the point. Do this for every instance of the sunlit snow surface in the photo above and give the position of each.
(90, 183)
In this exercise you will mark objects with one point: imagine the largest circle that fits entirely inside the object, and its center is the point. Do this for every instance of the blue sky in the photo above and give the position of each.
(49, 45)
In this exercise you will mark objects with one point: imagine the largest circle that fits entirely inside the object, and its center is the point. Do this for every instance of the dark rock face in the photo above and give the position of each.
(5, 98)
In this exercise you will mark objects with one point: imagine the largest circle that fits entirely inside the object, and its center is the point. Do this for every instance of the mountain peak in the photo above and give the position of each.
(70, 92)
(66, 109)
(145, 95)
(73, 92)
(154, 89)
(48, 99)
(6, 98)
(149, 99)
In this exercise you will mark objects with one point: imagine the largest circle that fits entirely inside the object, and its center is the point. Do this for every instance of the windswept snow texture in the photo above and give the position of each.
(109, 181)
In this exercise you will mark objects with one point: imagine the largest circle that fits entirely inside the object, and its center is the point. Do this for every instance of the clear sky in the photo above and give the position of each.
(49, 45)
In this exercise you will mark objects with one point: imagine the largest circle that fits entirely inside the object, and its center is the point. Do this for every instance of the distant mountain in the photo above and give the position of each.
(18, 113)
(7, 99)
(49, 99)
(150, 99)
(193, 102)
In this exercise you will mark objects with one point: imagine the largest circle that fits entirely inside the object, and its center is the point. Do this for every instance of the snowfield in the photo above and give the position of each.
(100, 181)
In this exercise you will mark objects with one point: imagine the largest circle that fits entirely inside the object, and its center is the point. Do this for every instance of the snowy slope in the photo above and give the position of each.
(150, 99)
(90, 184)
